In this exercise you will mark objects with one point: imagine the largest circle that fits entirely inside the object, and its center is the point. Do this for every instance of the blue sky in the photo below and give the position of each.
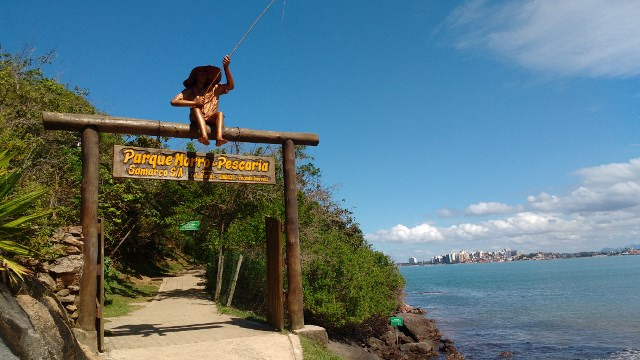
(446, 125)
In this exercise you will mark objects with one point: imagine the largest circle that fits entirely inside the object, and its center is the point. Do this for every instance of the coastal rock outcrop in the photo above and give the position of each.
(417, 338)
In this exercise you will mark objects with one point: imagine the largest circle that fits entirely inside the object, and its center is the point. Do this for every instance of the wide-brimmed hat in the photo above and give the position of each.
(212, 72)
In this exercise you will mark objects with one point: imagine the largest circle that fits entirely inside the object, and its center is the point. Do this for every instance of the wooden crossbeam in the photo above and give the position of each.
(121, 125)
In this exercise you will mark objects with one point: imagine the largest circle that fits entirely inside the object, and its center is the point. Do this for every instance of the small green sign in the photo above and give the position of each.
(395, 321)
(190, 226)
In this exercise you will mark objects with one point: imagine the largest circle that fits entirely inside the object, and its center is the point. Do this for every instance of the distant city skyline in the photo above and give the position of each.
(463, 256)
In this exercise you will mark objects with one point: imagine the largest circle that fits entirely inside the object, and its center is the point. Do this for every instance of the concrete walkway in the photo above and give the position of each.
(181, 323)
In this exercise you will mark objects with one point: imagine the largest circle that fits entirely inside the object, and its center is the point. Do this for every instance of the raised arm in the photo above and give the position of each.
(227, 73)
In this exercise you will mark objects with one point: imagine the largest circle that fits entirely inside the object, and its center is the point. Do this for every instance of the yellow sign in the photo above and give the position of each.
(162, 164)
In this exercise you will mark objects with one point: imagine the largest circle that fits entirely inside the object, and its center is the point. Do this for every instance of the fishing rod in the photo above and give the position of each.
(240, 42)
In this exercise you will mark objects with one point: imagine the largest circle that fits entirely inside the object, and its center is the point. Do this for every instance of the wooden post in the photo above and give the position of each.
(275, 301)
(89, 222)
(100, 289)
(294, 271)
(234, 281)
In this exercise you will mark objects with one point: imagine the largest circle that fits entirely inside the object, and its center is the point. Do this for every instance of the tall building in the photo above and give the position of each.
(413, 261)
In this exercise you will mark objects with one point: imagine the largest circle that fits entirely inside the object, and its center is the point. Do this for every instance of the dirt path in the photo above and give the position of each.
(181, 323)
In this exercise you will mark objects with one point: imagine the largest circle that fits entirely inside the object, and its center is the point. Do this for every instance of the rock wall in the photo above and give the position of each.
(37, 316)
(62, 275)
(34, 324)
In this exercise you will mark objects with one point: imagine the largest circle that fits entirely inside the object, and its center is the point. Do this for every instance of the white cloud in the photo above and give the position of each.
(603, 209)
(609, 173)
(403, 234)
(593, 38)
(488, 208)
(607, 187)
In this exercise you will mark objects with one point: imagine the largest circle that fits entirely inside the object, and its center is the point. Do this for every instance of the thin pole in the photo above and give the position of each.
(89, 222)
(240, 42)
(251, 28)
(294, 272)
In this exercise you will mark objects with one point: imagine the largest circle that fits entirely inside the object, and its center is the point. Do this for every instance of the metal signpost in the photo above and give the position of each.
(396, 321)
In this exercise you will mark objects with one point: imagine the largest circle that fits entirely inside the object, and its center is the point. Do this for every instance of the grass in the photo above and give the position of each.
(120, 301)
(248, 315)
(314, 351)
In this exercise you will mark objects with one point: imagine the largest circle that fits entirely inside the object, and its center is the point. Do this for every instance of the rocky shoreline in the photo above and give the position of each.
(417, 338)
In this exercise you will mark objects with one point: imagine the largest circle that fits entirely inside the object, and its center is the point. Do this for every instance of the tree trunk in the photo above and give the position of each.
(235, 280)
(219, 275)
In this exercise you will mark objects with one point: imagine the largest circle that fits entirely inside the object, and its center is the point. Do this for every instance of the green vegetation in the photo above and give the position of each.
(314, 351)
(13, 220)
(243, 314)
(124, 295)
(346, 282)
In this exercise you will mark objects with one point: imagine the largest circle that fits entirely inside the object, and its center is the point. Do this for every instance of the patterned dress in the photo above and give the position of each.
(210, 107)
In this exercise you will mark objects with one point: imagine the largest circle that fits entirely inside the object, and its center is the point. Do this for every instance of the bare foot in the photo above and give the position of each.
(204, 140)
(220, 142)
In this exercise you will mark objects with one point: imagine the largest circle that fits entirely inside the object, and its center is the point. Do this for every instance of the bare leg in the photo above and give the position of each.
(219, 126)
(203, 127)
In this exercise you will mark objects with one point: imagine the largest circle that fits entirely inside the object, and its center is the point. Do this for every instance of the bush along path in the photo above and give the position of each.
(182, 323)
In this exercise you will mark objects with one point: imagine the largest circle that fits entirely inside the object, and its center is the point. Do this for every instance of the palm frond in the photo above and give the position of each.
(19, 204)
(5, 157)
(14, 267)
(8, 182)
(10, 247)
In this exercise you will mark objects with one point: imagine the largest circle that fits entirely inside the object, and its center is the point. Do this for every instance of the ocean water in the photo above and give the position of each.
(585, 308)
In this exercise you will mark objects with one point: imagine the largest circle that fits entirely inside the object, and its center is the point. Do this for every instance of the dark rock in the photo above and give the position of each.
(389, 337)
(5, 352)
(72, 241)
(74, 230)
(404, 339)
(63, 293)
(420, 328)
(47, 280)
(55, 307)
(69, 299)
(419, 349)
(66, 280)
(408, 309)
(72, 250)
(44, 332)
(375, 344)
(16, 329)
(67, 264)
(44, 325)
